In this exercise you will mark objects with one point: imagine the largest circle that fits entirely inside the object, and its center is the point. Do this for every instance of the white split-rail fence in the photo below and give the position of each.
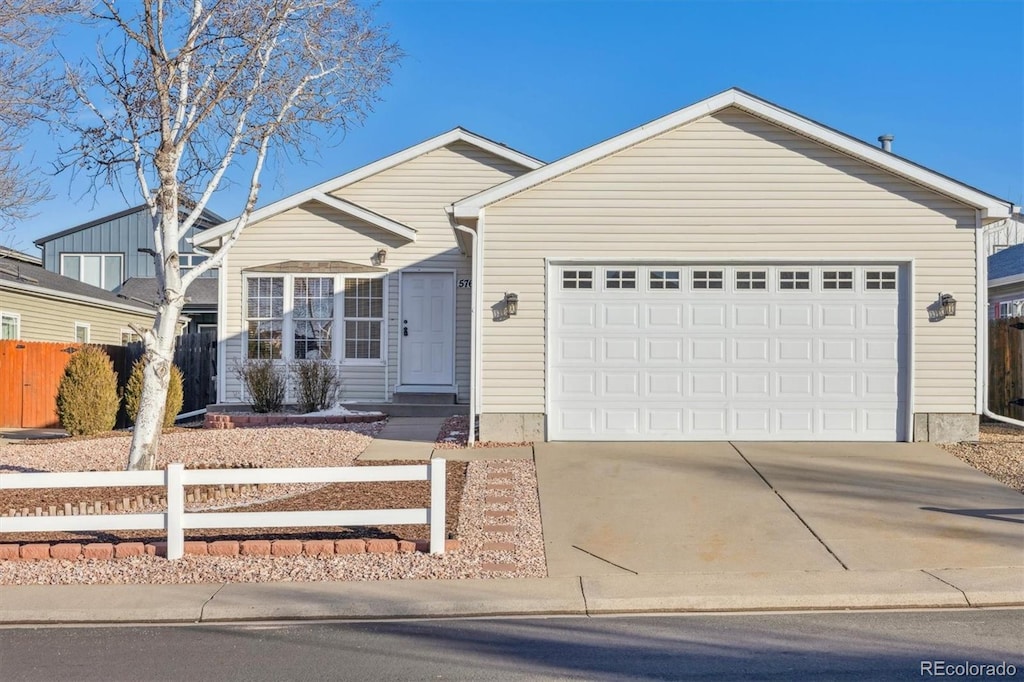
(175, 521)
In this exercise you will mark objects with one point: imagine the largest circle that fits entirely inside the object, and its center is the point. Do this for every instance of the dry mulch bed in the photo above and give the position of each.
(999, 453)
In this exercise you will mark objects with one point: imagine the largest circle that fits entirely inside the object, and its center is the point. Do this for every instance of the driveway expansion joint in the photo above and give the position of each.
(789, 507)
(601, 558)
(946, 582)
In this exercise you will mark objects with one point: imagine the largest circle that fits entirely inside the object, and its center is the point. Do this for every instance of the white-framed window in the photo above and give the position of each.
(751, 280)
(620, 279)
(104, 270)
(794, 280)
(364, 318)
(82, 332)
(10, 326)
(312, 317)
(879, 280)
(708, 279)
(128, 336)
(264, 318)
(577, 279)
(664, 279)
(187, 261)
(837, 279)
(1011, 308)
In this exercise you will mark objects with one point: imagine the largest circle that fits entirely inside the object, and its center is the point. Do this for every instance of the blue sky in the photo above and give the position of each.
(549, 78)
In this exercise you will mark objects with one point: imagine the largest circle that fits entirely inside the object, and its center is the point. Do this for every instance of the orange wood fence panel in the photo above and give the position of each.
(30, 373)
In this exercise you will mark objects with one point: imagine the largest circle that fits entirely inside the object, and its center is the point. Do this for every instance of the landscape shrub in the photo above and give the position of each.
(87, 400)
(265, 384)
(133, 393)
(317, 383)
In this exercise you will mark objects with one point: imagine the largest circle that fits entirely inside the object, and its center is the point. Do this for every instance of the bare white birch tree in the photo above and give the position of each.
(182, 91)
(27, 94)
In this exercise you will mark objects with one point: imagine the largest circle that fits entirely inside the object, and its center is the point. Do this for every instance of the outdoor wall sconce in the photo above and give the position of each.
(380, 258)
(511, 303)
(948, 305)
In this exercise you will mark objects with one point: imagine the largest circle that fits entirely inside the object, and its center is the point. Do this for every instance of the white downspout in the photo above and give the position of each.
(983, 370)
(473, 331)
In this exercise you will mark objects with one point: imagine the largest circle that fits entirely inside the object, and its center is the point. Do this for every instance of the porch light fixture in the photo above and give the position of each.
(380, 257)
(948, 305)
(511, 303)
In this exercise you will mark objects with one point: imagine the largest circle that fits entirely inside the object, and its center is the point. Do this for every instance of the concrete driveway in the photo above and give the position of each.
(625, 508)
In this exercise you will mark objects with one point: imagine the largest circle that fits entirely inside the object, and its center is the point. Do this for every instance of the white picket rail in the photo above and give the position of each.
(176, 520)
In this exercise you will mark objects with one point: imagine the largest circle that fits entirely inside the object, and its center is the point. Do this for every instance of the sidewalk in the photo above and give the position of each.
(611, 594)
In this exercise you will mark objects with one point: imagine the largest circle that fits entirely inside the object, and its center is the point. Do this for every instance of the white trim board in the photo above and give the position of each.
(991, 207)
(318, 192)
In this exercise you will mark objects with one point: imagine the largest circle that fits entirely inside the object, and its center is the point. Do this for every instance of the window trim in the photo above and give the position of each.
(711, 274)
(756, 276)
(129, 331)
(851, 280)
(285, 293)
(576, 279)
(809, 280)
(334, 314)
(17, 324)
(678, 281)
(88, 331)
(103, 266)
(621, 278)
(881, 281)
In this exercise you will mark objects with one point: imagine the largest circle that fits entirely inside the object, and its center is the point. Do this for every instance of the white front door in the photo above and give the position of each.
(428, 329)
(738, 352)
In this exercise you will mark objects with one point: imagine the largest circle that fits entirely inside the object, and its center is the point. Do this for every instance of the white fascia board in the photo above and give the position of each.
(366, 215)
(991, 207)
(363, 172)
(75, 298)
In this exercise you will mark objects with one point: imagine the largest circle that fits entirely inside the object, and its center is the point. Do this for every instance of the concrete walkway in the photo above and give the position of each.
(409, 438)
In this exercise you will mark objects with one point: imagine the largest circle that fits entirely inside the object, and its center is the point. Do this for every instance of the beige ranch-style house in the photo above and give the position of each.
(732, 270)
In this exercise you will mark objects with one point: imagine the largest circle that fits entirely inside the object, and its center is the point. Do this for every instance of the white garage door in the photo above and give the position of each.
(739, 352)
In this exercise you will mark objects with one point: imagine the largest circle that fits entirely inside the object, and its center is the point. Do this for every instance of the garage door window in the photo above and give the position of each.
(837, 279)
(794, 280)
(707, 279)
(751, 279)
(577, 279)
(664, 279)
(620, 279)
(880, 280)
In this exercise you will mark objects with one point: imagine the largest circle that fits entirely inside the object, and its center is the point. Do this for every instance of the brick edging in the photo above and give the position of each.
(224, 420)
(73, 551)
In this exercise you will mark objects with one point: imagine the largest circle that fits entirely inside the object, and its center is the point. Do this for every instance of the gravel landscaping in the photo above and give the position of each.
(515, 549)
(998, 453)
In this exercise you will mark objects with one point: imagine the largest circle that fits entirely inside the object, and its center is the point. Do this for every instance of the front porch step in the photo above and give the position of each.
(425, 398)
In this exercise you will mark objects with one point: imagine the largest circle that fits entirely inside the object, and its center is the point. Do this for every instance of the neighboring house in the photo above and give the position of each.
(113, 253)
(1003, 234)
(39, 305)
(730, 271)
(1006, 282)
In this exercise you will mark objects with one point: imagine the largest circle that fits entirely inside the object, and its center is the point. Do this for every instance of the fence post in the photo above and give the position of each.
(438, 505)
(175, 522)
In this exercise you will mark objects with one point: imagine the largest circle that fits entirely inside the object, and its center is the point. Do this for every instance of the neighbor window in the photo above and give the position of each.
(837, 279)
(794, 279)
(577, 279)
(98, 269)
(10, 326)
(187, 261)
(707, 279)
(128, 336)
(885, 279)
(265, 317)
(751, 279)
(664, 279)
(81, 332)
(313, 317)
(620, 279)
(364, 318)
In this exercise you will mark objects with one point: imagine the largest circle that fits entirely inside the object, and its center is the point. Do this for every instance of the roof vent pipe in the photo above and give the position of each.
(886, 141)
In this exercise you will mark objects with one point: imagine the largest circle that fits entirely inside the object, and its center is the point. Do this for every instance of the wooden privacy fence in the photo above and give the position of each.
(176, 520)
(30, 372)
(1006, 367)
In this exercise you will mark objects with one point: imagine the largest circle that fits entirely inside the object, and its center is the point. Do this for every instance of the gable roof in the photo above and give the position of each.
(992, 207)
(201, 292)
(14, 255)
(32, 278)
(207, 218)
(319, 192)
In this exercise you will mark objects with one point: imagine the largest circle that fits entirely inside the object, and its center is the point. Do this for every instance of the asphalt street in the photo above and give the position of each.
(872, 645)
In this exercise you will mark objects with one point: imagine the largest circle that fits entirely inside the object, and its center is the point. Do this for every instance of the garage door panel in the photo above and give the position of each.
(655, 363)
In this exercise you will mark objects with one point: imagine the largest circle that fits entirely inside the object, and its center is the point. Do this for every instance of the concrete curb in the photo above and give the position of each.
(648, 593)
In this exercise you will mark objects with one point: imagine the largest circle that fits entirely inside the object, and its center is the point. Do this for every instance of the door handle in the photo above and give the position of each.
(405, 331)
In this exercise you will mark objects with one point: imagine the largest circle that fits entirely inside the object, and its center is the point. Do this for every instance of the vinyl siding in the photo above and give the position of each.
(733, 186)
(45, 319)
(414, 193)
